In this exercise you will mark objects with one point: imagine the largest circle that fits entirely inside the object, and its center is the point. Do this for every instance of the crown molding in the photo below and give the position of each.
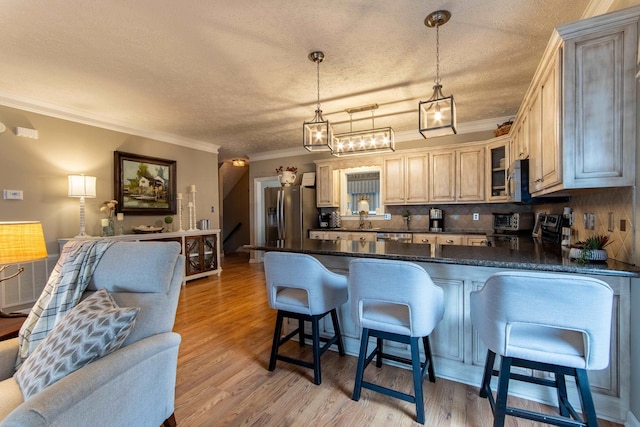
(85, 118)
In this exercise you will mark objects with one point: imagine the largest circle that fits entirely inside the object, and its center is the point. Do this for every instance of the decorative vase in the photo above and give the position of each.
(597, 255)
(108, 227)
(287, 178)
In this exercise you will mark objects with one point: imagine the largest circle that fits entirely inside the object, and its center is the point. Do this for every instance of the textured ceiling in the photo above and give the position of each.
(236, 74)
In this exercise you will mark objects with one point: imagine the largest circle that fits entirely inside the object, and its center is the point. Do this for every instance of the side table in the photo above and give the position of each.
(10, 326)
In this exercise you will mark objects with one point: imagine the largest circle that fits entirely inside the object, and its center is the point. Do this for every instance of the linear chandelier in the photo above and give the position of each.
(379, 140)
(437, 116)
(317, 134)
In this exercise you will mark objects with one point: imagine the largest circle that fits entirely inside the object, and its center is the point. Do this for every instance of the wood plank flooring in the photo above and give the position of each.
(227, 328)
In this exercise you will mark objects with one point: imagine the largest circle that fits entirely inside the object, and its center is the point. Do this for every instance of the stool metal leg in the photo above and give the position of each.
(315, 332)
(336, 328)
(379, 352)
(561, 389)
(429, 359)
(276, 341)
(500, 410)
(417, 379)
(588, 410)
(301, 332)
(485, 388)
(357, 388)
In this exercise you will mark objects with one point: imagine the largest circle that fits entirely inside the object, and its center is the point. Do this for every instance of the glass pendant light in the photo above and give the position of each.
(437, 116)
(317, 134)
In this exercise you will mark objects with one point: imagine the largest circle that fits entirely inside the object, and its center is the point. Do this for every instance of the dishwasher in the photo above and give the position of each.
(394, 237)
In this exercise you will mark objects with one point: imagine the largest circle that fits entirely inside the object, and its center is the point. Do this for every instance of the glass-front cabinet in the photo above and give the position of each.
(497, 169)
(201, 253)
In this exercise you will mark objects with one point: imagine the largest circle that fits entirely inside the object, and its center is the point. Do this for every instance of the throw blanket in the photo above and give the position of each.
(68, 280)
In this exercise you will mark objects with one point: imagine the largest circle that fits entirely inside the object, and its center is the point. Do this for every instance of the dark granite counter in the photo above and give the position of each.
(531, 255)
(396, 230)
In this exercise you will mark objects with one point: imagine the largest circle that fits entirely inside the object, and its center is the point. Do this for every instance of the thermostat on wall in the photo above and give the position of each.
(308, 179)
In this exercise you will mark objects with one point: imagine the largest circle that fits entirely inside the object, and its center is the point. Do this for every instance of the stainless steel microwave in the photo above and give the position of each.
(518, 181)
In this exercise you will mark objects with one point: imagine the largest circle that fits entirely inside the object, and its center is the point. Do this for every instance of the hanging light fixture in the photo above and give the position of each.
(437, 116)
(317, 134)
(364, 141)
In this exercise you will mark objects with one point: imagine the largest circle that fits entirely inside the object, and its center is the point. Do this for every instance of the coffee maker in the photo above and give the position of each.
(436, 220)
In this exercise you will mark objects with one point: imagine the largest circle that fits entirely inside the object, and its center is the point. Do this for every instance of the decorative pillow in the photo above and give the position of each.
(92, 329)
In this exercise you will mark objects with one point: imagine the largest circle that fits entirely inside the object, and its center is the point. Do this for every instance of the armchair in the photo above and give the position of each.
(134, 385)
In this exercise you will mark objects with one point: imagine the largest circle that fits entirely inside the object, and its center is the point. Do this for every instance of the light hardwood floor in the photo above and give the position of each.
(227, 328)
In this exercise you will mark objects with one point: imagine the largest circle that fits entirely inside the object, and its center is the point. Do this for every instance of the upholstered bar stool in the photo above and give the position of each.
(396, 301)
(555, 323)
(301, 288)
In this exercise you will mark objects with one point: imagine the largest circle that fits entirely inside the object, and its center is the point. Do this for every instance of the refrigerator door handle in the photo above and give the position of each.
(280, 214)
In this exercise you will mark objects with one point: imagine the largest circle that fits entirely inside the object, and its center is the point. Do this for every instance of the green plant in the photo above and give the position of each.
(588, 245)
(168, 219)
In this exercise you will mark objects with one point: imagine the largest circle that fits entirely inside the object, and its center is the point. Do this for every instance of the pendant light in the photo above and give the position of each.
(437, 116)
(364, 141)
(317, 134)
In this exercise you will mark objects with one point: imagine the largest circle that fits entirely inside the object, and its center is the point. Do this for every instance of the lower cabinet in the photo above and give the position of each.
(201, 252)
(363, 236)
(450, 239)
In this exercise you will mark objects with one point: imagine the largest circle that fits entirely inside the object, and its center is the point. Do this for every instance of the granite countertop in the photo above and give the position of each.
(395, 230)
(532, 255)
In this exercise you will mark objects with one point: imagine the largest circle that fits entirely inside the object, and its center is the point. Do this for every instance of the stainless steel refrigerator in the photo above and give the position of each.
(290, 213)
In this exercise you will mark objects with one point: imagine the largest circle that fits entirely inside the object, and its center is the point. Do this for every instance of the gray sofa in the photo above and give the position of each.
(135, 385)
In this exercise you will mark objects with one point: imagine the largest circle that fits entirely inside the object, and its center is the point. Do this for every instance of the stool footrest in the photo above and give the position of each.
(389, 392)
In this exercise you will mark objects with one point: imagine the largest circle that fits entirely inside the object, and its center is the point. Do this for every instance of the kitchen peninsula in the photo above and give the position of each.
(459, 270)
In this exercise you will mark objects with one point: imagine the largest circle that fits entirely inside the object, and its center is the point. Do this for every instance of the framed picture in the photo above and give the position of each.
(144, 185)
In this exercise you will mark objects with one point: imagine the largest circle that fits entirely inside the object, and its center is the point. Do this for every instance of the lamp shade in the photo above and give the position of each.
(21, 241)
(82, 186)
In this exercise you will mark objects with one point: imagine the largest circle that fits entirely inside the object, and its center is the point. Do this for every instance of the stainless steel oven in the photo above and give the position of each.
(512, 222)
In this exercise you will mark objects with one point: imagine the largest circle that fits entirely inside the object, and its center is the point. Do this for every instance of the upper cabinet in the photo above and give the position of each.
(327, 186)
(405, 179)
(457, 175)
(578, 120)
(497, 163)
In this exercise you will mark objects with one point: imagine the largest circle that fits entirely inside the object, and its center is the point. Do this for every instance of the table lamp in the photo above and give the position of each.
(82, 186)
(20, 242)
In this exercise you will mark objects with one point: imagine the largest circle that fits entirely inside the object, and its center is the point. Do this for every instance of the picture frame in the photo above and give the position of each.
(144, 185)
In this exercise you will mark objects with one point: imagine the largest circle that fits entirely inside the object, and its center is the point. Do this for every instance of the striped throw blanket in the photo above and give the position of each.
(68, 280)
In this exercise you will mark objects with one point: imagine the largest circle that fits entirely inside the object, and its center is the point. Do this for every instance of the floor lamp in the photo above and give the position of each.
(20, 242)
(82, 186)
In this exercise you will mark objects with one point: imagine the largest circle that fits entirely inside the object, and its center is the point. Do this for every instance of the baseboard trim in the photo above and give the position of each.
(632, 421)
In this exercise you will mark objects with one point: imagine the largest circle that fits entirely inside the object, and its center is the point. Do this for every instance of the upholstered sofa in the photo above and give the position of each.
(134, 385)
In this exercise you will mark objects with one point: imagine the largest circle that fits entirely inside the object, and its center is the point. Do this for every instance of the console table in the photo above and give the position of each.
(201, 247)
(10, 326)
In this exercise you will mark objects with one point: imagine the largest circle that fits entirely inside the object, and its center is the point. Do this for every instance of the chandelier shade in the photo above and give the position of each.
(317, 134)
(437, 115)
(379, 140)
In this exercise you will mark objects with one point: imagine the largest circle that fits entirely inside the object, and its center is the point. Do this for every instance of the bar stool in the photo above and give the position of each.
(301, 288)
(555, 323)
(396, 301)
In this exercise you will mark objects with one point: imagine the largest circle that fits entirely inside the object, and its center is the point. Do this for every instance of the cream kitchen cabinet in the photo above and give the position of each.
(581, 106)
(470, 174)
(519, 139)
(496, 173)
(327, 186)
(476, 241)
(363, 236)
(457, 175)
(405, 179)
(449, 239)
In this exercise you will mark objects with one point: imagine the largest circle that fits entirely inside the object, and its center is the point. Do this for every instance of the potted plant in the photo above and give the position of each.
(590, 249)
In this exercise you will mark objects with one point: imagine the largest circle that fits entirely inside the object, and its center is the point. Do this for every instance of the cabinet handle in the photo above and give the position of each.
(449, 241)
(338, 237)
(425, 240)
(363, 238)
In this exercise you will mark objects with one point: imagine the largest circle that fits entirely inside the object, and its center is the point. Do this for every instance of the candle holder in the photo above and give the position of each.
(180, 214)
(192, 209)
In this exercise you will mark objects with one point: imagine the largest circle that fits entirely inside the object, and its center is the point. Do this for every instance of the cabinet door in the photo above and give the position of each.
(600, 107)
(337, 235)
(535, 143)
(326, 195)
(394, 180)
(316, 235)
(364, 236)
(193, 252)
(209, 252)
(476, 241)
(497, 163)
(442, 175)
(551, 142)
(417, 171)
(470, 171)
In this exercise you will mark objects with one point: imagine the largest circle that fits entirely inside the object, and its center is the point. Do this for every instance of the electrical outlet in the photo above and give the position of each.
(476, 216)
(212, 209)
(387, 216)
(12, 194)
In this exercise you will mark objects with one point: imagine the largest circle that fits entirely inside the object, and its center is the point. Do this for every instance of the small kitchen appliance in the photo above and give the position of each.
(325, 220)
(550, 227)
(516, 222)
(436, 220)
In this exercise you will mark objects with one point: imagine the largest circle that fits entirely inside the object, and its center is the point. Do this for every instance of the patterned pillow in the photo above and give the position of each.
(92, 329)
